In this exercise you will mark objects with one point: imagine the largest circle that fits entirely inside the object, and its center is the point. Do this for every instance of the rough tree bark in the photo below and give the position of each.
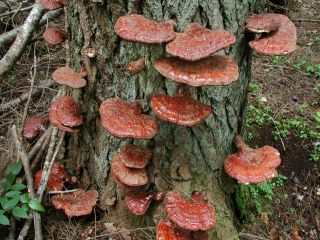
(187, 159)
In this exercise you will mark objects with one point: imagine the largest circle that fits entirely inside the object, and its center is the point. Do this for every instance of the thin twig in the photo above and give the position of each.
(25, 229)
(16, 11)
(305, 20)
(40, 142)
(252, 236)
(282, 142)
(41, 151)
(123, 231)
(63, 192)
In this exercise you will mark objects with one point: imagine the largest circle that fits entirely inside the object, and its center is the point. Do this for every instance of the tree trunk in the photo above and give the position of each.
(186, 159)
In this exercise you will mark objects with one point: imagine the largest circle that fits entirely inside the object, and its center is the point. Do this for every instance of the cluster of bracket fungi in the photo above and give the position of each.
(191, 65)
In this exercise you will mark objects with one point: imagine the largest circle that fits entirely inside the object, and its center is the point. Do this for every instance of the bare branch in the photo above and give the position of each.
(16, 11)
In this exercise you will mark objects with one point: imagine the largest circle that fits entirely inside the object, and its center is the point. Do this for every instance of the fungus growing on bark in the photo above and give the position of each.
(78, 203)
(65, 114)
(33, 127)
(281, 37)
(135, 67)
(166, 230)
(52, 4)
(252, 165)
(89, 52)
(198, 42)
(56, 179)
(180, 109)
(125, 120)
(212, 71)
(128, 176)
(134, 157)
(194, 214)
(54, 35)
(66, 76)
(135, 27)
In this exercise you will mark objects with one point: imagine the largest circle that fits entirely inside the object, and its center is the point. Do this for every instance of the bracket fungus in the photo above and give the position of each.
(125, 120)
(252, 165)
(65, 114)
(180, 109)
(66, 76)
(166, 230)
(33, 127)
(281, 37)
(134, 157)
(52, 4)
(211, 71)
(197, 42)
(78, 203)
(135, 27)
(54, 36)
(194, 214)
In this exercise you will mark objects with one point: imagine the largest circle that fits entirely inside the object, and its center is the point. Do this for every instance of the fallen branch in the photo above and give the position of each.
(40, 142)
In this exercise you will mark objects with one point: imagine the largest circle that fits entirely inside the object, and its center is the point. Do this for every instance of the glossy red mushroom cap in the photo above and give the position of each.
(78, 203)
(66, 76)
(211, 71)
(194, 214)
(52, 4)
(135, 27)
(125, 120)
(282, 34)
(128, 176)
(54, 35)
(134, 157)
(138, 202)
(198, 42)
(166, 230)
(252, 165)
(33, 127)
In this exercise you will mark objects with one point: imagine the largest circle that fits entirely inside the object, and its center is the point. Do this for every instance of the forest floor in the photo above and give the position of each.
(283, 111)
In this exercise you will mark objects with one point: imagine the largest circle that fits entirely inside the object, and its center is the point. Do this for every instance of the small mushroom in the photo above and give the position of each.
(211, 71)
(33, 127)
(137, 66)
(54, 35)
(180, 109)
(66, 76)
(51, 4)
(198, 42)
(166, 230)
(252, 165)
(281, 37)
(134, 157)
(125, 120)
(194, 214)
(78, 203)
(137, 28)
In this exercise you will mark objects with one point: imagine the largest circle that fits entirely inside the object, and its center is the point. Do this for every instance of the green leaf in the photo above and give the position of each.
(7, 184)
(35, 205)
(24, 198)
(15, 168)
(19, 212)
(3, 200)
(12, 194)
(18, 187)
(26, 207)
(8, 205)
(4, 220)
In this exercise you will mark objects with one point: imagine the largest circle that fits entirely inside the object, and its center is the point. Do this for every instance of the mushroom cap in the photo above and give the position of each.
(56, 179)
(33, 127)
(78, 203)
(50, 4)
(166, 230)
(135, 27)
(181, 110)
(212, 71)
(65, 114)
(129, 176)
(198, 42)
(282, 38)
(125, 120)
(67, 76)
(134, 157)
(138, 202)
(252, 165)
(54, 35)
(194, 214)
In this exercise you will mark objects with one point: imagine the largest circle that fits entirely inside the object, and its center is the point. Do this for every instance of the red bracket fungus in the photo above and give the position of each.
(281, 38)
(54, 35)
(65, 114)
(137, 28)
(33, 127)
(180, 109)
(78, 203)
(52, 4)
(198, 42)
(166, 230)
(125, 120)
(252, 165)
(129, 176)
(66, 76)
(194, 214)
(212, 71)
(134, 157)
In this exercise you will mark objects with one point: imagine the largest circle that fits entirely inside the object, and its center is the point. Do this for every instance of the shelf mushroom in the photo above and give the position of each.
(281, 34)
(166, 230)
(134, 157)
(252, 165)
(66, 76)
(52, 4)
(54, 36)
(137, 28)
(33, 127)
